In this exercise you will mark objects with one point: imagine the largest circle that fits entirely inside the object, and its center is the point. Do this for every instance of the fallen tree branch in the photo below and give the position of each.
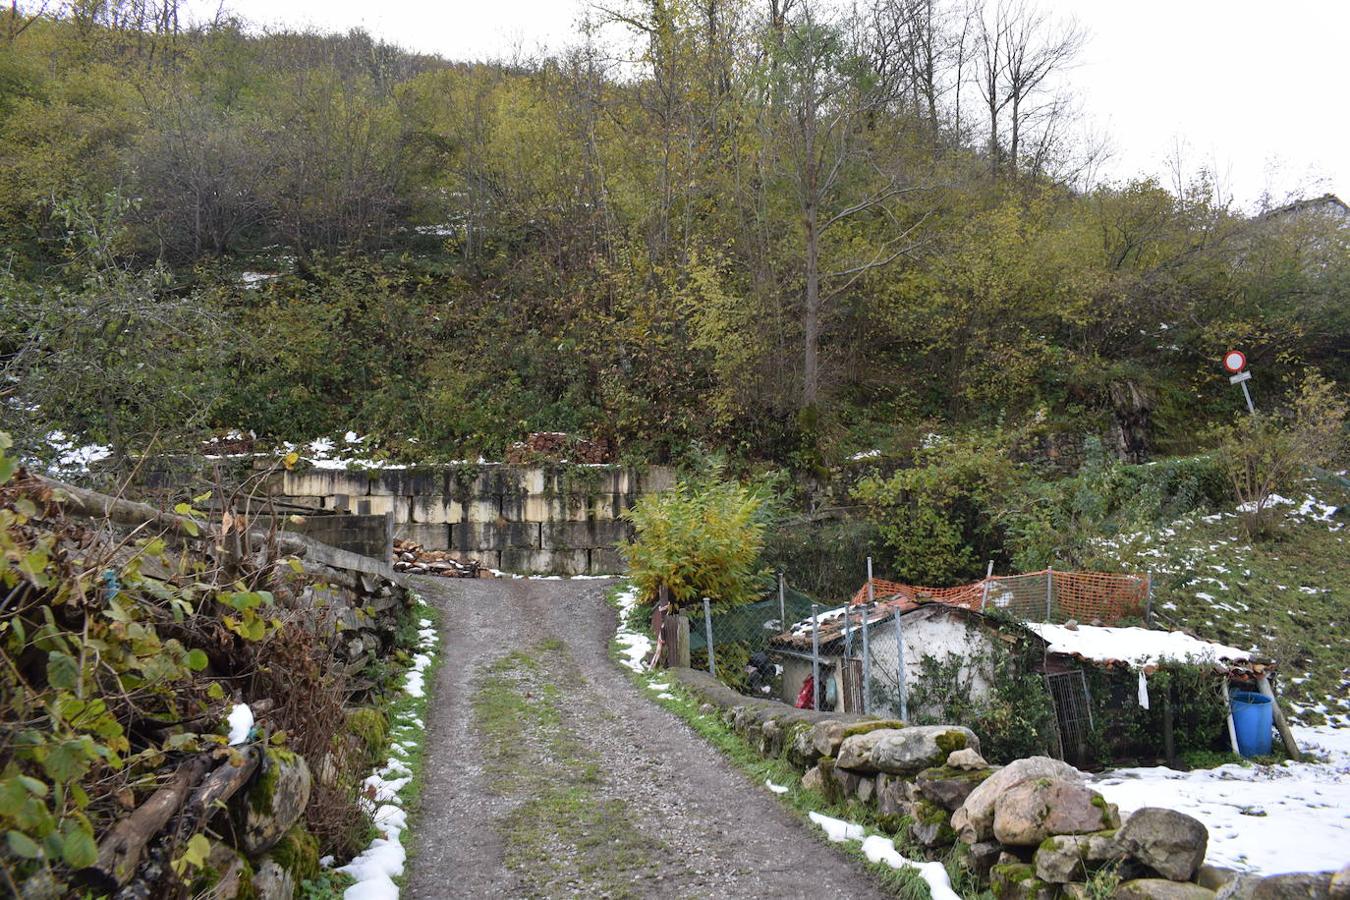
(119, 852)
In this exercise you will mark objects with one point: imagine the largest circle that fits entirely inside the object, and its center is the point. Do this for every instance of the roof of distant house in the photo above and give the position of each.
(1298, 206)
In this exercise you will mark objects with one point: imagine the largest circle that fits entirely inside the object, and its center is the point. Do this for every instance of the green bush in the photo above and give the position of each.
(936, 516)
(1057, 522)
(700, 539)
(1014, 719)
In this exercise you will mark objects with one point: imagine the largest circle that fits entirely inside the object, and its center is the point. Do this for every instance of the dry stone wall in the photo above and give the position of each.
(561, 520)
(1031, 830)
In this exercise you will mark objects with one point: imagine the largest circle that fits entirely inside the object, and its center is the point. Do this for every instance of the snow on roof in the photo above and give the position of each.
(1135, 647)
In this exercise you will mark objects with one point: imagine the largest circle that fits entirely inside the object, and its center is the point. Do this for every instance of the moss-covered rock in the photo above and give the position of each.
(298, 853)
(274, 801)
(1018, 881)
(371, 727)
(868, 727)
(932, 825)
(908, 750)
(949, 787)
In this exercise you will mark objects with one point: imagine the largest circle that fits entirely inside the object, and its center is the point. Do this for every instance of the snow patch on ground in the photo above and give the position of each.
(70, 459)
(879, 849)
(241, 723)
(635, 648)
(776, 788)
(1293, 817)
(837, 830)
(376, 867)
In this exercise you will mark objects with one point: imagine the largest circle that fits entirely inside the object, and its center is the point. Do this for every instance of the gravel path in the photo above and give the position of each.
(706, 830)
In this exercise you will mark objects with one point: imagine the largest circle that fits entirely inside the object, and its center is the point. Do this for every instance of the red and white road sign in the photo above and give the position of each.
(1234, 361)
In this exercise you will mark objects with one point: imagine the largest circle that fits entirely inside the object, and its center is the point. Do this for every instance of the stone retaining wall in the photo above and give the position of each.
(561, 519)
(1031, 830)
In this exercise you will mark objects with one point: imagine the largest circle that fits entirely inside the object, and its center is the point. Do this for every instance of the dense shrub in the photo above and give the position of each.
(700, 539)
(937, 517)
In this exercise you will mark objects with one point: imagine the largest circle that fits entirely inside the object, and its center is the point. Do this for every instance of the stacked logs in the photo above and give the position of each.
(412, 558)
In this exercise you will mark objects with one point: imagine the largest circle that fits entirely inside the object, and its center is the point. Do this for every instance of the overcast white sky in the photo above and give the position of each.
(1255, 91)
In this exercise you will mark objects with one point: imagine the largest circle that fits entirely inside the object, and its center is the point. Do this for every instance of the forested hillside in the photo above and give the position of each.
(769, 227)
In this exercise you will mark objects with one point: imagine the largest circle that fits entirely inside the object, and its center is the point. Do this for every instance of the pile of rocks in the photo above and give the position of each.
(1031, 830)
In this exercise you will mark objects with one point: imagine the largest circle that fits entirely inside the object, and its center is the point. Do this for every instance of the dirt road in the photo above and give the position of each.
(548, 775)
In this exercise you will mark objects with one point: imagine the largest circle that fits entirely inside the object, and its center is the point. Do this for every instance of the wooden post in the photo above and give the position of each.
(679, 652)
(1286, 735)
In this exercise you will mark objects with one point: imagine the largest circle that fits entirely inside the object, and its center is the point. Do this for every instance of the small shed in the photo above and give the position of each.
(935, 631)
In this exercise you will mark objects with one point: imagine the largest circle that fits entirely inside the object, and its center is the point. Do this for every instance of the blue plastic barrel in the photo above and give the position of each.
(1252, 719)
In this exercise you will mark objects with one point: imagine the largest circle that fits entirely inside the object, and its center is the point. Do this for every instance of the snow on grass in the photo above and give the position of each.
(880, 849)
(635, 648)
(776, 788)
(837, 830)
(1269, 819)
(376, 868)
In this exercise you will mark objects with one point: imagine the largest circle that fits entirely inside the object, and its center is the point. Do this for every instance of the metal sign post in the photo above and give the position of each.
(1235, 361)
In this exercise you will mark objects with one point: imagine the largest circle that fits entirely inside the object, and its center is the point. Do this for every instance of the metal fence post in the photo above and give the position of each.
(815, 656)
(871, 594)
(900, 658)
(1148, 603)
(984, 588)
(782, 606)
(867, 667)
(707, 632)
(1049, 590)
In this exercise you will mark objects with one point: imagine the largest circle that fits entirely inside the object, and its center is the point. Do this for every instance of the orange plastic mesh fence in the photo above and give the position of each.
(1048, 596)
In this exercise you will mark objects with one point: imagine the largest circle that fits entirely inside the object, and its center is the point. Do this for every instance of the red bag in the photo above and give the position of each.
(807, 698)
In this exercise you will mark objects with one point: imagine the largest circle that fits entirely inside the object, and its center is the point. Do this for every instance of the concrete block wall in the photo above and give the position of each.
(562, 519)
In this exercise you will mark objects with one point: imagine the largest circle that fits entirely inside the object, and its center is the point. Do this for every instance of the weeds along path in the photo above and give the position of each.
(548, 775)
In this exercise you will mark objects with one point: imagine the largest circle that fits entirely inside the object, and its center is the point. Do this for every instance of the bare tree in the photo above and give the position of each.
(834, 171)
(1021, 47)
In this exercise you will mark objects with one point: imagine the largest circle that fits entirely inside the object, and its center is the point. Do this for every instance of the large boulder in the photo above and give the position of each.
(1310, 885)
(974, 820)
(275, 801)
(949, 787)
(855, 752)
(905, 750)
(1071, 857)
(1173, 844)
(1162, 889)
(1032, 811)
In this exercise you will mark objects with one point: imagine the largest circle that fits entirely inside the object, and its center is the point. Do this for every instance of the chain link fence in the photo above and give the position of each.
(852, 658)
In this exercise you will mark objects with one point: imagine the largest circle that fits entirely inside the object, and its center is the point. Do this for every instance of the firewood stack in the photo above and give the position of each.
(414, 559)
(557, 446)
